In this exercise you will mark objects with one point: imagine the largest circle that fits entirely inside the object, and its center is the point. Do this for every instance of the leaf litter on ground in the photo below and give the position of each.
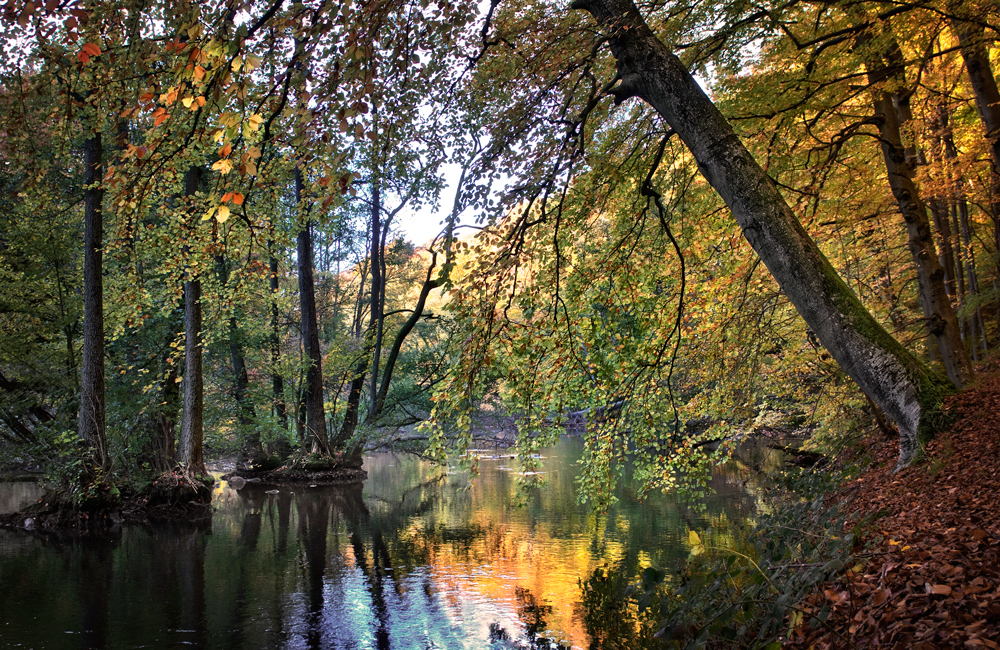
(931, 575)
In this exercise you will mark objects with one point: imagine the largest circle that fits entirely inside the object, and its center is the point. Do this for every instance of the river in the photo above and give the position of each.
(416, 558)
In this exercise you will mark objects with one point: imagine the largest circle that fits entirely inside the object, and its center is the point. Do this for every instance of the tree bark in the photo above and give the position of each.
(976, 332)
(277, 383)
(984, 86)
(241, 381)
(377, 299)
(91, 422)
(896, 381)
(315, 416)
(191, 448)
(938, 312)
(891, 110)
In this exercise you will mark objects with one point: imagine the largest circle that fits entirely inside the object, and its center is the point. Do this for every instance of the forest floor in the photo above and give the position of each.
(930, 542)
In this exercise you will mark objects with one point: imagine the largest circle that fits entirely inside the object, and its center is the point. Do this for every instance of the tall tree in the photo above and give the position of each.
(91, 425)
(891, 111)
(190, 451)
(987, 95)
(315, 414)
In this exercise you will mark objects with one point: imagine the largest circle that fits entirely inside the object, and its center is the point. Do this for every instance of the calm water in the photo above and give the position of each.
(415, 559)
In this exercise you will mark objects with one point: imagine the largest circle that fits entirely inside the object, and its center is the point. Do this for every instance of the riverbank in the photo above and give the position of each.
(173, 496)
(930, 577)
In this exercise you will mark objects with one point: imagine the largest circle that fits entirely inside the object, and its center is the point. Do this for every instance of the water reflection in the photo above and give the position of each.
(416, 558)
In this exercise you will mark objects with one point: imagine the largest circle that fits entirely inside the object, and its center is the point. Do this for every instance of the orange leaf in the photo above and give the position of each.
(880, 596)
(227, 197)
(83, 57)
(92, 49)
(161, 118)
(226, 150)
(237, 198)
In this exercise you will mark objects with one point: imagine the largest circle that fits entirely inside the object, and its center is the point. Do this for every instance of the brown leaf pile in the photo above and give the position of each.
(933, 580)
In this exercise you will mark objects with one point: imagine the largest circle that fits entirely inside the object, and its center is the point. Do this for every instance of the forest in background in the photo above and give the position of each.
(198, 239)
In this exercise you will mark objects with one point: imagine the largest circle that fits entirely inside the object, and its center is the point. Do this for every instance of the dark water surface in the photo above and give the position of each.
(417, 558)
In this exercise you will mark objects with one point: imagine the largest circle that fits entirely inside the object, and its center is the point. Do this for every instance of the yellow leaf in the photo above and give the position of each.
(223, 214)
(223, 166)
(252, 63)
(199, 72)
(693, 539)
(237, 64)
(208, 214)
(251, 167)
(255, 121)
(187, 101)
(220, 135)
(254, 152)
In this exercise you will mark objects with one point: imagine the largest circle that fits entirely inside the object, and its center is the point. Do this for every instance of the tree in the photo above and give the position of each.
(191, 448)
(896, 381)
(315, 415)
(891, 105)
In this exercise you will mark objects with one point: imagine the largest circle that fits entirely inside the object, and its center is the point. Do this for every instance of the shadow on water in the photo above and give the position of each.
(414, 559)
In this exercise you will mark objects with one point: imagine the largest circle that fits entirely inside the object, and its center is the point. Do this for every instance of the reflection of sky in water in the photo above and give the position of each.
(417, 560)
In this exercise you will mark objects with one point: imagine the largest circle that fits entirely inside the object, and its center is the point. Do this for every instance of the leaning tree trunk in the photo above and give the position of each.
(91, 422)
(315, 416)
(191, 448)
(896, 381)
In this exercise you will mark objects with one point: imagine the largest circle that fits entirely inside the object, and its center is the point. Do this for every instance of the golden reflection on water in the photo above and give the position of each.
(416, 558)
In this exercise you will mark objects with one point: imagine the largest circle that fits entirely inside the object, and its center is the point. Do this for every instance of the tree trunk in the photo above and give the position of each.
(91, 422)
(938, 312)
(315, 417)
(896, 381)
(890, 111)
(942, 224)
(976, 332)
(191, 448)
(241, 381)
(390, 364)
(277, 383)
(984, 86)
(377, 301)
